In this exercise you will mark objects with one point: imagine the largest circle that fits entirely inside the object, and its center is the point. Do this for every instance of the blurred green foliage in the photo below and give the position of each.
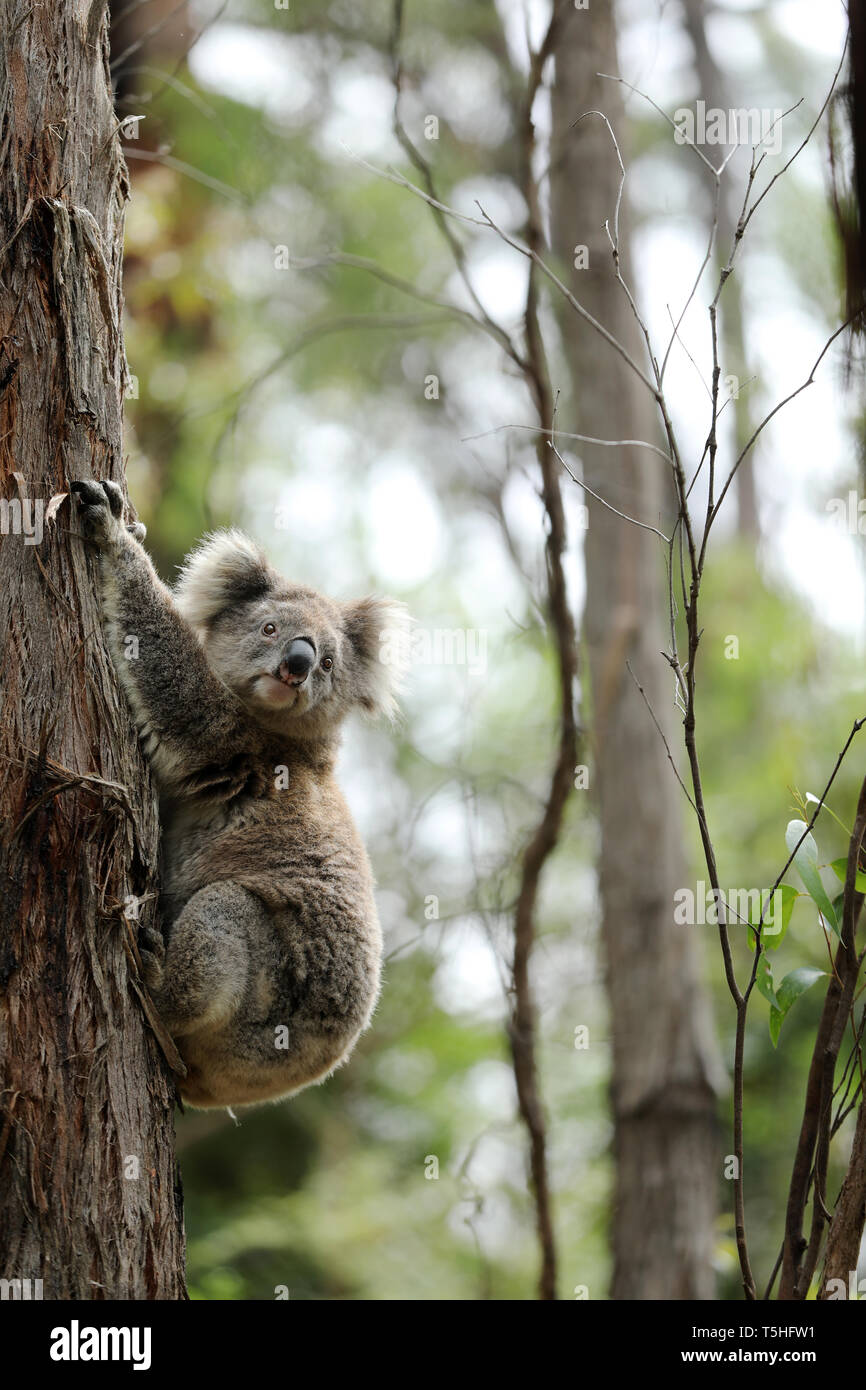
(292, 402)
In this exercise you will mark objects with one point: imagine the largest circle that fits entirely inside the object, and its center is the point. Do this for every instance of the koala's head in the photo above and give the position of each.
(298, 661)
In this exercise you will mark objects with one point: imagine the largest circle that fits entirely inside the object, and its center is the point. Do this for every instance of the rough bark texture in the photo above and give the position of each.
(846, 1228)
(849, 1217)
(89, 1198)
(665, 1067)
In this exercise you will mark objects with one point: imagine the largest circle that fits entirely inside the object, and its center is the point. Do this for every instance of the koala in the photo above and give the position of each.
(268, 968)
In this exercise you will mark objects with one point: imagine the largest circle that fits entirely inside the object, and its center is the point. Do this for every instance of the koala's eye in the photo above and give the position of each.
(327, 663)
(269, 629)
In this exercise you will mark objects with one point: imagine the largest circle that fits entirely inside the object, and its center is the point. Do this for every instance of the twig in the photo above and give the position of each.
(569, 434)
(191, 172)
(546, 835)
(661, 731)
(644, 525)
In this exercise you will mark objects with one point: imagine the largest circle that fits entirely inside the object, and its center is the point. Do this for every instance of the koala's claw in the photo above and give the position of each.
(150, 942)
(151, 971)
(97, 494)
(101, 508)
(151, 949)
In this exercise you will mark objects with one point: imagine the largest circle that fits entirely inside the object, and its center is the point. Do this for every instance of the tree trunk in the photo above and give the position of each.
(89, 1197)
(144, 39)
(665, 1066)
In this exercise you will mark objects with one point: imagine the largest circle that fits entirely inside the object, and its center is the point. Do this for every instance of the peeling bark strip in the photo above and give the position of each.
(89, 1197)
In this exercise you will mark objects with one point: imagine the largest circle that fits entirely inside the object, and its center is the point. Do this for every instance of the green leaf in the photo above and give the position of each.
(790, 989)
(764, 981)
(806, 864)
(840, 869)
(777, 916)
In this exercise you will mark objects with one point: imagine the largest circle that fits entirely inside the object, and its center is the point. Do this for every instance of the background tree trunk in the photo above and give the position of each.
(143, 39)
(89, 1198)
(665, 1066)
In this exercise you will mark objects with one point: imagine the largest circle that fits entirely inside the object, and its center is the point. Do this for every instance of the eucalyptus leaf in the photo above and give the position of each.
(774, 930)
(764, 981)
(789, 990)
(806, 864)
(840, 869)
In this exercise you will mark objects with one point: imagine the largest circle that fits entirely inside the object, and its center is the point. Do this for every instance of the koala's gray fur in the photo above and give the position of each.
(270, 965)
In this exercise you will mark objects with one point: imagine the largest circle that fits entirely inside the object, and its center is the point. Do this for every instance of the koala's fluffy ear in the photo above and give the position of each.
(378, 632)
(226, 569)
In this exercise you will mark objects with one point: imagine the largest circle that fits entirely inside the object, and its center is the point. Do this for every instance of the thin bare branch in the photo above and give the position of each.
(568, 434)
(580, 483)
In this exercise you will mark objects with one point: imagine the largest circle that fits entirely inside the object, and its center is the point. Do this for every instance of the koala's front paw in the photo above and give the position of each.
(151, 949)
(100, 506)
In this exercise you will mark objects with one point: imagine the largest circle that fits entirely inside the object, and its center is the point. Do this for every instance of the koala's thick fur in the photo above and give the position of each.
(270, 965)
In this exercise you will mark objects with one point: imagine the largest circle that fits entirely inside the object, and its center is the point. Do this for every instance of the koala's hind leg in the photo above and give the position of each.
(202, 978)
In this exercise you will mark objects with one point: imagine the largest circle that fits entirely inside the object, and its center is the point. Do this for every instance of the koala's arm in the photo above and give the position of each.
(191, 725)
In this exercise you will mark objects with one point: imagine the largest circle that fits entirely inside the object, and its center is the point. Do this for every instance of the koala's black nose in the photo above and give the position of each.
(300, 658)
